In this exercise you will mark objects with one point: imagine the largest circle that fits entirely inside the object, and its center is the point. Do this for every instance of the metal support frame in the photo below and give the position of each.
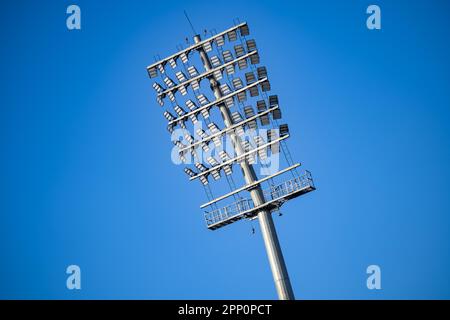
(239, 157)
(275, 198)
(196, 45)
(205, 74)
(249, 186)
(226, 130)
(273, 249)
(217, 101)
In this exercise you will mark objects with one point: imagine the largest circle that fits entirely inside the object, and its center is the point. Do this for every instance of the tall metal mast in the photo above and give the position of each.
(276, 260)
(262, 203)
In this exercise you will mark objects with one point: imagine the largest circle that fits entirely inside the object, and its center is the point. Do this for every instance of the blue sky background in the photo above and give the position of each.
(86, 176)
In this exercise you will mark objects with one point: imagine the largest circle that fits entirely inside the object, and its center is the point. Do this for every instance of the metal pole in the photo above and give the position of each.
(273, 249)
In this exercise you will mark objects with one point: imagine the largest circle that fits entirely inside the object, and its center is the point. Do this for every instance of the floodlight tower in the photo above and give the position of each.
(261, 204)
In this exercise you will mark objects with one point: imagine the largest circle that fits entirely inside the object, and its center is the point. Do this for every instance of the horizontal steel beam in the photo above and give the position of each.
(217, 101)
(224, 131)
(195, 46)
(249, 186)
(205, 74)
(223, 164)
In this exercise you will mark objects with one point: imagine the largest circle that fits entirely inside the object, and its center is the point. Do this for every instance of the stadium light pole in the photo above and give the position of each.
(262, 202)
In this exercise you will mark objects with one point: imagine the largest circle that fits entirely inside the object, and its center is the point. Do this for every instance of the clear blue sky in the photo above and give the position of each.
(85, 167)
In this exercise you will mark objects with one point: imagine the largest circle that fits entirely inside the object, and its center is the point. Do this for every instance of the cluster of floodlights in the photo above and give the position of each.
(231, 69)
(184, 81)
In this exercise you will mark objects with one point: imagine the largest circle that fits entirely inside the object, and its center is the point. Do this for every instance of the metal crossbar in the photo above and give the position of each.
(204, 75)
(195, 46)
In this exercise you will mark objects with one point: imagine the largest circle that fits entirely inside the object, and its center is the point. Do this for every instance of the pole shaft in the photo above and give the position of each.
(273, 249)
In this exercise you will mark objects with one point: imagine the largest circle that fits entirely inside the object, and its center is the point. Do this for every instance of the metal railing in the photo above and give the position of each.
(275, 193)
(289, 186)
(229, 211)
